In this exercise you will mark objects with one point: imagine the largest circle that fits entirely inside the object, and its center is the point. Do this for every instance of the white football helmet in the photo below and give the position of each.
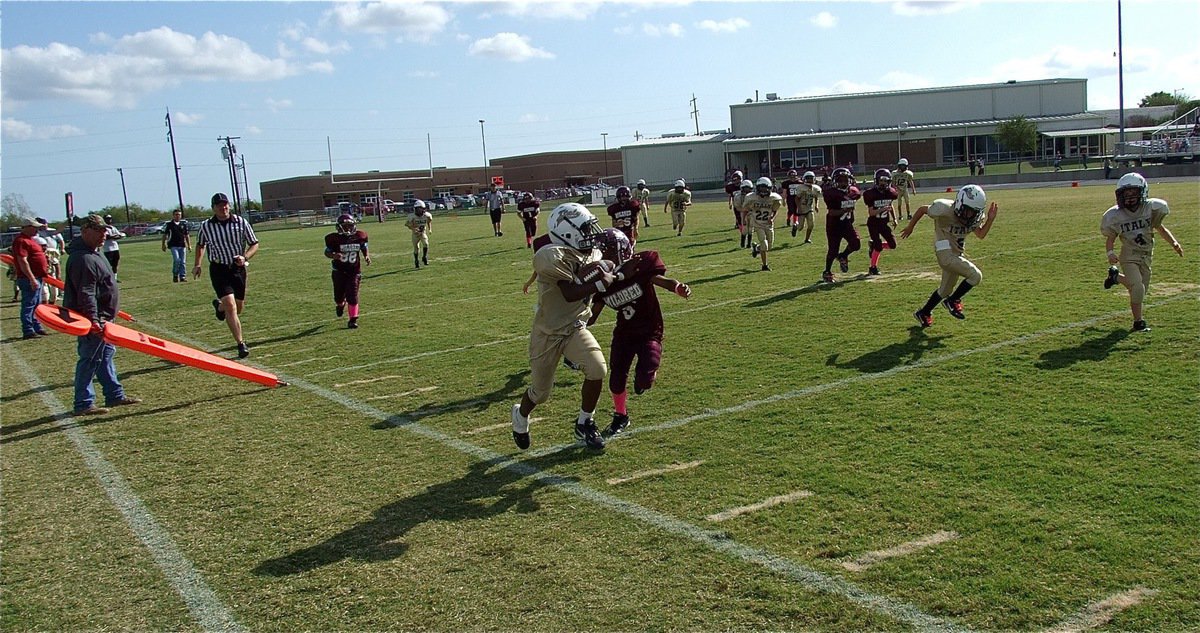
(680, 184)
(418, 204)
(641, 183)
(738, 175)
(809, 177)
(570, 224)
(1132, 180)
(969, 204)
(903, 162)
(763, 186)
(747, 186)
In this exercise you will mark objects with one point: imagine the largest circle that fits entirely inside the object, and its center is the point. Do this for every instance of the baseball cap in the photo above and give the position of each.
(219, 198)
(93, 221)
(31, 221)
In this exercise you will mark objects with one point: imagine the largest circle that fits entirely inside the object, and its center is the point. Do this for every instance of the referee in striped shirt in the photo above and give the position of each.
(230, 243)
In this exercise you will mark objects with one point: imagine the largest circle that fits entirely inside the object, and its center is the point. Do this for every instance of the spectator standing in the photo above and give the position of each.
(1058, 162)
(981, 165)
(55, 246)
(495, 207)
(1107, 168)
(29, 260)
(112, 250)
(230, 243)
(91, 291)
(176, 237)
(973, 166)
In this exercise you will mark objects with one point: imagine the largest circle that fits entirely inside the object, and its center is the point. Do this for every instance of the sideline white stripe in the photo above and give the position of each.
(755, 507)
(903, 549)
(1100, 613)
(716, 541)
(652, 473)
(205, 606)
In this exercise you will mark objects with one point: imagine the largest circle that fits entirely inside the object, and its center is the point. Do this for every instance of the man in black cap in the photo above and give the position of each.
(230, 243)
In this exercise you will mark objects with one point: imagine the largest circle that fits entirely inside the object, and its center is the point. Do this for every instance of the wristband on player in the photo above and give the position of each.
(600, 287)
(1112, 253)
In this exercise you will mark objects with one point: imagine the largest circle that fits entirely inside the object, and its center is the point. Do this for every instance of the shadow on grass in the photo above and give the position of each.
(724, 277)
(161, 366)
(278, 339)
(377, 275)
(10, 434)
(702, 244)
(819, 286)
(894, 355)
(1096, 349)
(511, 390)
(490, 488)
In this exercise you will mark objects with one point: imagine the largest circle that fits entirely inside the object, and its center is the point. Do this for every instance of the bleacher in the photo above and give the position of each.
(1175, 141)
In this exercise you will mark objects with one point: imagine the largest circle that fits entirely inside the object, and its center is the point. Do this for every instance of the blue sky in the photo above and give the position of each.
(86, 85)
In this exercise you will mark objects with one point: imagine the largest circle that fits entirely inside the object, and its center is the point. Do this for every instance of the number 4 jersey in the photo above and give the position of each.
(1135, 228)
(632, 298)
(352, 246)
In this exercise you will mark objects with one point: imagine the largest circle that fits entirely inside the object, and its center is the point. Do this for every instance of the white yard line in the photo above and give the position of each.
(1098, 614)
(494, 427)
(205, 606)
(615, 481)
(904, 549)
(388, 361)
(403, 393)
(755, 507)
(364, 381)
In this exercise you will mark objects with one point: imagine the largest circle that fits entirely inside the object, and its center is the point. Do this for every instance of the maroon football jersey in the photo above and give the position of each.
(625, 216)
(638, 313)
(540, 241)
(880, 200)
(790, 188)
(352, 247)
(529, 208)
(841, 203)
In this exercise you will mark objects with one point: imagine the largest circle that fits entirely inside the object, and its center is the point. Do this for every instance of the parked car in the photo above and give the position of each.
(156, 229)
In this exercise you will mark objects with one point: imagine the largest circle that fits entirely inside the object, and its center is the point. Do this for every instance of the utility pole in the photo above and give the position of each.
(695, 114)
(245, 180)
(604, 137)
(171, 137)
(1120, 84)
(229, 153)
(123, 195)
(486, 181)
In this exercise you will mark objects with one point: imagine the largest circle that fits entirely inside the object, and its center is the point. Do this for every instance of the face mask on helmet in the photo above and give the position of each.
(810, 177)
(792, 173)
(345, 224)
(841, 178)
(623, 193)
(572, 225)
(614, 246)
(1132, 191)
(969, 204)
(883, 179)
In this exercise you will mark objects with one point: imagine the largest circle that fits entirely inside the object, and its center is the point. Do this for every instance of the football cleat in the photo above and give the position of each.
(1140, 326)
(844, 263)
(620, 422)
(873, 271)
(766, 267)
(339, 309)
(827, 277)
(955, 308)
(754, 250)
(353, 323)
(1111, 279)
(520, 430)
(243, 351)
(794, 227)
(589, 435)
(925, 320)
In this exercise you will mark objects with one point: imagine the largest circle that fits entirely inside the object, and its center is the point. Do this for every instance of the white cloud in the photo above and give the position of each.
(283, 50)
(509, 47)
(547, 10)
(624, 30)
(253, 130)
(325, 66)
(276, 105)
(824, 20)
(732, 25)
(314, 45)
(653, 30)
(422, 74)
(14, 130)
(294, 30)
(138, 64)
(533, 118)
(412, 21)
(183, 118)
(916, 8)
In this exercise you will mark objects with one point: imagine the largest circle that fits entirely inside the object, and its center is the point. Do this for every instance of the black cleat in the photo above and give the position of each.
(844, 263)
(873, 271)
(520, 438)
(925, 320)
(353, 323)
(1140, 326)
(339, 309)
(243, 351)
(1111, 279)
(955, 308)
(620, 422)
(589, 435)
(827, 277)
(217, 309)
(754, 250)
(766, 267)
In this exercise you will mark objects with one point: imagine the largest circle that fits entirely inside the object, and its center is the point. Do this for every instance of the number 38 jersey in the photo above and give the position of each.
(352, 246)
(1135, 228)
(949, 233)
(638, 313)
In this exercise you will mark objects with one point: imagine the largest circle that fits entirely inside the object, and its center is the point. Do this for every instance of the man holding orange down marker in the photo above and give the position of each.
(91, 290)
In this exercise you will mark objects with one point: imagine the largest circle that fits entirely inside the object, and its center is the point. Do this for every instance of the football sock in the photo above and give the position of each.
(932, 302)
(584, 416)
(619, 402)
(353, 310)
(962, 289)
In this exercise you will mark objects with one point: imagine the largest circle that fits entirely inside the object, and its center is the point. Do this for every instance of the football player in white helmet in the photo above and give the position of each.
(677, 202)
(642, 194)
(420, 222)
(1134, 219)
(905, 182)
(806, 204)
(760, 210)
(953, 220)
(559, 323)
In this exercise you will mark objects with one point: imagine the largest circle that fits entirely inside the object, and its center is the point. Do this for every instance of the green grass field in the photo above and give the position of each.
(1051, 454)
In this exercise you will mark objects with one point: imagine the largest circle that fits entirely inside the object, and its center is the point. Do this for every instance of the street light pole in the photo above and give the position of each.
(604, 137)
(123, 195)
(900, 130)
(482, 136)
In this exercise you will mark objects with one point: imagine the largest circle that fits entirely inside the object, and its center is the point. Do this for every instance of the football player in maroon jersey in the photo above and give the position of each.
(639, 330)
(347, 247)
(839, 223)
(731, 189)
(882, 217)
(790, 188)
(624, 213)
(527, 210)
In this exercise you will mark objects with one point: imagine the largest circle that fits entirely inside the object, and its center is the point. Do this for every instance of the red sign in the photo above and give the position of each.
(70, 205)
(498, 181)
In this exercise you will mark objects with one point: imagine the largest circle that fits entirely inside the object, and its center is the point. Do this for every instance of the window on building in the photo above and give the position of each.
(343, 197)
